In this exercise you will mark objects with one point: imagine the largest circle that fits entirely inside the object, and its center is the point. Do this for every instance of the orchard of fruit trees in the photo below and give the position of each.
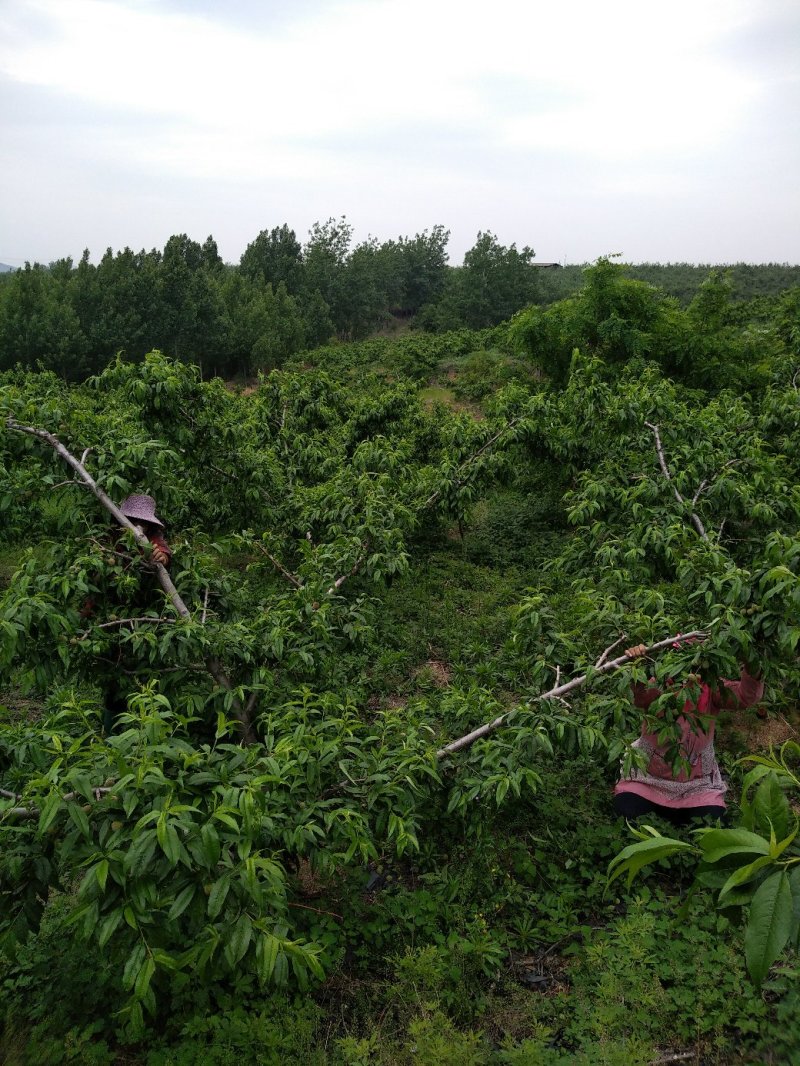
(375, 707)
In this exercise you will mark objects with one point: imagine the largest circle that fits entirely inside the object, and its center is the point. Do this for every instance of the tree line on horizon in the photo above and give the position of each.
(284, 297)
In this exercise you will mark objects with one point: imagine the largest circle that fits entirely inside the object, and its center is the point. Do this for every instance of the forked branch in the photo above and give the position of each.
(695, 518)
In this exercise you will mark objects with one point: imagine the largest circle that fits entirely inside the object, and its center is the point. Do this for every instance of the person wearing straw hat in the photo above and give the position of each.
(141, 510)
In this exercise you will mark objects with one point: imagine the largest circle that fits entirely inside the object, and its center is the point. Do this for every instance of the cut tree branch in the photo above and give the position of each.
(33, 812)
(559, 690)
(124, 621)
(608, 651)
(698, 525)
(214, 665)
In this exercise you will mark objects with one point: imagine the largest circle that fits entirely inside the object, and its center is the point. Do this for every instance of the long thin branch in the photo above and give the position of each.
(124, 621)
(293, 579)
(214, 665)
(558, 691)
(470, 460)
(698, 525)
(33, 812)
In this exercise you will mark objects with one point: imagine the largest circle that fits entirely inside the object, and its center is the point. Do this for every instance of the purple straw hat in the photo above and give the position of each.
(142, 508)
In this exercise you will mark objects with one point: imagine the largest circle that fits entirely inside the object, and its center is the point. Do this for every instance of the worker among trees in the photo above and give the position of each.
(141, 510)
(682, 779)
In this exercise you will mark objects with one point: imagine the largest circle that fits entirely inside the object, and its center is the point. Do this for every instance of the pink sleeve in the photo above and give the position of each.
(745, 692)
(644, 696)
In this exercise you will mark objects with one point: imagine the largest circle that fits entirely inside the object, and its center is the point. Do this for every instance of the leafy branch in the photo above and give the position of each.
(602, 666)
(696, 522)
(213, 664)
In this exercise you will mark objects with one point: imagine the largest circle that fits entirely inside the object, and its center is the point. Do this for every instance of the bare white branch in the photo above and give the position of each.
(290, 577)
(608, 651)
(150, 619)
(560, 690)
(213, 664)
(33, 812)
(698, 525)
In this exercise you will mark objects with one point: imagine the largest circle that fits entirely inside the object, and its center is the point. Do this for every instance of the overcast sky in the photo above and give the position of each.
(664, 131)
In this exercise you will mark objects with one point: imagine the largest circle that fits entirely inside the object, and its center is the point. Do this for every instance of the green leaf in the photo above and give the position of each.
(49, 811)
(794, 884)
(771, 806)
(144, 977)
(107, 927)
(140, 854)
(181, 902)
(78, 816)
(281, 969)
(211, 845)
(266, 954)
(133, 965)
(768, 926)
(744, 874)
(631, 859)
(716, 844)
(216, 898)
(239, 940)
(168, 840)
(101, 873)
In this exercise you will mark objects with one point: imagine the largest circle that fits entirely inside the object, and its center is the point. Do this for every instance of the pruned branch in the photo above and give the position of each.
(698, 525)
(33, 812)
(560, 690)
(701, 488)
(125, 621)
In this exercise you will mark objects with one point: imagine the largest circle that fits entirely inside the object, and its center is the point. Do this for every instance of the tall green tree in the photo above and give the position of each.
(275, 256)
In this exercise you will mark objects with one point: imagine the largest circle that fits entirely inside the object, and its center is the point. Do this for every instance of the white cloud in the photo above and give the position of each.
(634, 74)
(522, 115)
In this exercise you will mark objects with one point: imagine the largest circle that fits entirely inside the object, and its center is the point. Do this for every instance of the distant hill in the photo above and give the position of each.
(4, 268)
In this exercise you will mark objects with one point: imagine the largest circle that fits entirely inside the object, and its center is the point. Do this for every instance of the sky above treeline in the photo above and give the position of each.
(662, 131)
